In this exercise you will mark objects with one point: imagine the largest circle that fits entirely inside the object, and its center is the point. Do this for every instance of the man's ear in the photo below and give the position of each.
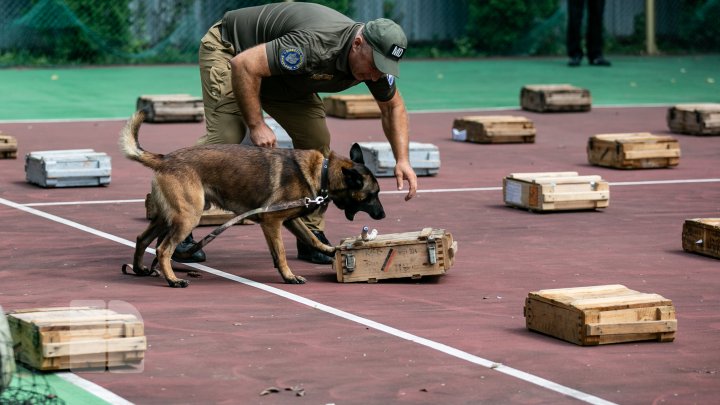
(356, 154)
(353, 179)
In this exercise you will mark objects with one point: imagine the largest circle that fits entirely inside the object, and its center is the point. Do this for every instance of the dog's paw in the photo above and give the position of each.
(295, 280)
(179, 283)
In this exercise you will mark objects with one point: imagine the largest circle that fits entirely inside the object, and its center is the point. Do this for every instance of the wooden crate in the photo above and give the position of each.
(212, 216)
(555, 98)
(597, 315)
(555, 191)
(694, 119)
(640, 150)
(379, 158)
(171, 107)
(8, 147)
(351, 106)
(430, 252)
(76, 337)
(68, 168)
(702, 235)
(493, 129)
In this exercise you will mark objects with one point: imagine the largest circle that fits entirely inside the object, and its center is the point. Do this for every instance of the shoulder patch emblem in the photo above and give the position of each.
(391, 80)
(291, 58)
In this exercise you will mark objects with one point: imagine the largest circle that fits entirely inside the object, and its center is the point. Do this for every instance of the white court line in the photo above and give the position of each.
(436, 190)
(533, 379)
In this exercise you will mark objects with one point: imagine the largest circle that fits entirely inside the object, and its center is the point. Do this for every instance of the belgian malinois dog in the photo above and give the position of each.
(241, 178)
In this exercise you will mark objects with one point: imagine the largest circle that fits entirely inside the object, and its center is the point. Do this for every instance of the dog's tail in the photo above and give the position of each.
(129, 143)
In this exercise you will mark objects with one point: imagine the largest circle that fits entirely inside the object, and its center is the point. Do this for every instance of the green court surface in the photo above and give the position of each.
(111, 92)
(34, 388)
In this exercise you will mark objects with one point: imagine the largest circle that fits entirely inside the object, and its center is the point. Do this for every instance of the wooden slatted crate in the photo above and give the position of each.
(599, 315)
(555, 98)
(702, 235)
(430, 252)
(76, 337)
(641, 150)
(694, 119)
(171, 107)
(68, 168)
(8, 147)
(493, 129)
(351, 106)
(555, 191)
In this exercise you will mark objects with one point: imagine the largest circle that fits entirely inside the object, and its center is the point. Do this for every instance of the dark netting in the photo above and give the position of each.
(46, 32)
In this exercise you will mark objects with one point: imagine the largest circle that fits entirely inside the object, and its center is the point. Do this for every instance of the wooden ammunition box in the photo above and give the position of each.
(597, 315)
(633, 151)
(8, 147)
(212, 216)
(430, 252)
(493, 129)
(68, 168)
(171, 107)
(694, 119)
(555, 191)
(351, 106)
(555, 98)
(76, 337)
(378, 156)
(702, 235)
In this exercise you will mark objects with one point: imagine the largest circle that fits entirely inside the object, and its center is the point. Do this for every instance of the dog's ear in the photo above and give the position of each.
(353, 179)
(356, 154)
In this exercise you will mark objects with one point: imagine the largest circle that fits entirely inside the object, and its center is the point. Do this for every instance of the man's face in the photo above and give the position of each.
(361, 62)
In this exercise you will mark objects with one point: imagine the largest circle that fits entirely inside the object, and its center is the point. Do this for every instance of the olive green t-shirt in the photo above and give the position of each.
(307, 47)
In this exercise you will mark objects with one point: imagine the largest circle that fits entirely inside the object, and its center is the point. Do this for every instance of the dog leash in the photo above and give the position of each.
(307, 202)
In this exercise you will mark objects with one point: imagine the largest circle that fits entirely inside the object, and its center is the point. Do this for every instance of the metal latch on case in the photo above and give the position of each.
(432, 250)
(349, 261)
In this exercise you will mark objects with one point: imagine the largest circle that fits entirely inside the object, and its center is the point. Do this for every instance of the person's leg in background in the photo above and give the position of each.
(575, 10)
(594, 35)
(223, 121)
(304, 121)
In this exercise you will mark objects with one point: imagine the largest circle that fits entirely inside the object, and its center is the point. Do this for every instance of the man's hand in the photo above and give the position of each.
(263, 136)
(403, 171)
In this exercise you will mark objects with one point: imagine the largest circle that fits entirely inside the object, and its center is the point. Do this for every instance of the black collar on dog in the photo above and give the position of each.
(324, 180)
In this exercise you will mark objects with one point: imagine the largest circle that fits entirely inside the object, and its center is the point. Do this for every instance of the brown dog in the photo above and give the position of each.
(241, 178)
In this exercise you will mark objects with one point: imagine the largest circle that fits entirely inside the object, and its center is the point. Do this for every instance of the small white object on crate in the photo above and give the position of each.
(555, 191)
(603, 314)
(493, 129)
(640, 150)
(555, 98)
(429, 252)
(282, 138)
(171, 107)
(63, 338)
(379, 158)
(694, 119)
(68, 168)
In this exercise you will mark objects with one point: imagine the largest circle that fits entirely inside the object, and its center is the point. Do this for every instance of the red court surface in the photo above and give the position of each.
(456, 339)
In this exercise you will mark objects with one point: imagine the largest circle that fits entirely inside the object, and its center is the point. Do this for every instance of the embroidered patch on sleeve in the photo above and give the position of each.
(291, 58)
(391, 80)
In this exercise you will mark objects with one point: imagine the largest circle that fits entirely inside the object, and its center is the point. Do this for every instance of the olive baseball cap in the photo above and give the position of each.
(388, 42)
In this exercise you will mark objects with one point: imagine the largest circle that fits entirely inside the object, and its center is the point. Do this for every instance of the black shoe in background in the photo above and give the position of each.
(308, 254)
(185, 246)
(575, 61)
(600, 62)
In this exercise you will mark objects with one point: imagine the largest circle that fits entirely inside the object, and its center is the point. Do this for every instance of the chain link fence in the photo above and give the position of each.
(85, 32)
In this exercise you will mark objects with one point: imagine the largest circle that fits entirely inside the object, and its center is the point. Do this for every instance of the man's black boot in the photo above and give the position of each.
(309, 254)
(185, 246)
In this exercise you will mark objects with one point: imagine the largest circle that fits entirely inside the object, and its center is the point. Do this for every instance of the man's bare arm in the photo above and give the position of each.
(395, 125)
(247, 69)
